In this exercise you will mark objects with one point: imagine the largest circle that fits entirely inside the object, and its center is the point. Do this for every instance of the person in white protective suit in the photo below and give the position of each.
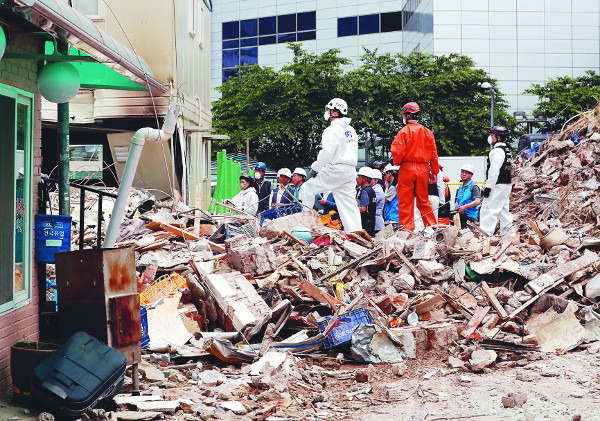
(498, 185)
(335, 167)
(246, 199)
(437, 197)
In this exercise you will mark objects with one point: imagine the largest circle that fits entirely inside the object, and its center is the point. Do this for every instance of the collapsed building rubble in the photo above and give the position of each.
(265, 318)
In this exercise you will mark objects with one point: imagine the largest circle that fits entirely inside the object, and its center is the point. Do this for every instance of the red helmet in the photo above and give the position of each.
(412, 110)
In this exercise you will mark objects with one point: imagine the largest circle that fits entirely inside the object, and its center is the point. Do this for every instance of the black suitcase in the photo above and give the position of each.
(78, 374)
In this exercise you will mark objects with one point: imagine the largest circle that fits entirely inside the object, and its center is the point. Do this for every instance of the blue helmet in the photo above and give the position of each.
(261, 166)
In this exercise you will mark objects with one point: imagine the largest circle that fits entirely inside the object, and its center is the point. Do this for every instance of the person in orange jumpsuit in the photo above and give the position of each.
(415, 152)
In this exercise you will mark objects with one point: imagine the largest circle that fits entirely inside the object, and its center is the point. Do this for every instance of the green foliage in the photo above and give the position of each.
(564, 97)
(281, 112)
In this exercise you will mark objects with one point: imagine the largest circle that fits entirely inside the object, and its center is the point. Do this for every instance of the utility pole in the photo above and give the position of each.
(64, 204)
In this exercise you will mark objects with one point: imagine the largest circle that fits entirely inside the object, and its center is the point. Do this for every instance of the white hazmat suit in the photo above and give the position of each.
(246, 200)
(336, 167)
(496, 206)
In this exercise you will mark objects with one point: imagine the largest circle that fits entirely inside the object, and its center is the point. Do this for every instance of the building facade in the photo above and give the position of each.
(518, 42)
(173, 38)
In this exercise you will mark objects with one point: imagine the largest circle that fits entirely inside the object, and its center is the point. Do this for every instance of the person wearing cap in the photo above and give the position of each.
(335, 167)
(468, 196)
(366, 200)
(282, 195)
(262, 187)
(390, 210)
(496, 194)
(414, 150)
(298, 179)
(376, 179)
(246, 199)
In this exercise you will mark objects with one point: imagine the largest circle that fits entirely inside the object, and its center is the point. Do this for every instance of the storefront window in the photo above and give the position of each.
(15, 197)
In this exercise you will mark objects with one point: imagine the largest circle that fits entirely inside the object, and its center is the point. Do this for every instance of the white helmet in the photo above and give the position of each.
(300, 171)
(375, 173)
(390, 167)
(284, 171)
(338, 104)
(365, 172)
(469, 168)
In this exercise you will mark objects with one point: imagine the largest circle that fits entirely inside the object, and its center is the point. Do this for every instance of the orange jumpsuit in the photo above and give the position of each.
(415, 151)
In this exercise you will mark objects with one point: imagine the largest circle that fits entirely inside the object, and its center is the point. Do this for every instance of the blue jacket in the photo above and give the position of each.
(285, 198)
(464, 196)
(390, 211)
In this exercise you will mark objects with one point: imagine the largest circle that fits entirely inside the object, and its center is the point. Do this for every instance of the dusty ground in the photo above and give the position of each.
(557, 388)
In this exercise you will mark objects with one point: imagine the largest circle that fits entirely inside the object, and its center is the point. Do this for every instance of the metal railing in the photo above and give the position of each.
(101, 195)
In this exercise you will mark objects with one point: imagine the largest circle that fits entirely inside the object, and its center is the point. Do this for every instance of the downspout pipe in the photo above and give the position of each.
(137, 144)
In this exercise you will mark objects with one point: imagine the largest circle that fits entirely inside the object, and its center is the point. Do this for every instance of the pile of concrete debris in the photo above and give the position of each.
(266, 311)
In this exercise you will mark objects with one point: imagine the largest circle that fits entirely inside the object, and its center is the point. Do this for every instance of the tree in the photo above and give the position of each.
(565, 97)
(280, 112)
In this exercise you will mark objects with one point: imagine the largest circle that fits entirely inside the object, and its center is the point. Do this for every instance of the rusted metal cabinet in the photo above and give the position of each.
(97, 294)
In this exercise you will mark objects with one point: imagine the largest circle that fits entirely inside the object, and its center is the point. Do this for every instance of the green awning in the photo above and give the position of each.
(97, 75)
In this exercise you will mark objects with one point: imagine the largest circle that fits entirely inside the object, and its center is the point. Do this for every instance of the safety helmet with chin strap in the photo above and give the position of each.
(336, 108)
(411, 111)
(500, 131)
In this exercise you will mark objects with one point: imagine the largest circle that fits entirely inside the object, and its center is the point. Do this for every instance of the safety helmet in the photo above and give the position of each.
(500, 131)
(411, 111)
(284, 171)
(261, 166)
(391, 168)
(378, 165)
(469, 168)
(376, 174)
(338, 104)
(365, 172)
(300, 171)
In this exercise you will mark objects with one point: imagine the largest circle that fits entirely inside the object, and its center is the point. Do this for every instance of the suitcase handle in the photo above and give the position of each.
(58, 391)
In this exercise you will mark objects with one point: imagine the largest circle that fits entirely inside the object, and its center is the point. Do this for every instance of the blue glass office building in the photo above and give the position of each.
(519, 42)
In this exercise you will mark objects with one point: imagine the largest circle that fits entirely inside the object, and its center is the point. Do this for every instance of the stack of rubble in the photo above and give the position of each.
(257, 294)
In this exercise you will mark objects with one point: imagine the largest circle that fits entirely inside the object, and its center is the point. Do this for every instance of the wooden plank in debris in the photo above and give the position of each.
(220, 248)
(550, 277)
(408, 264)
(432, 303)
(572, 287)
(295, 239)
(179, 232)
(475, 321)
(320, 295)
(504, 247)
(458, 306)
(489, 294)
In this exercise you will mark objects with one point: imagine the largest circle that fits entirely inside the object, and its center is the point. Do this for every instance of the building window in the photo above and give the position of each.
(286, 23)
(307, 21)
(16, 108)
(249, 56)
(391, 22)
(200, 26)
(267, 26)
(231, 30)
(248, 28)
(192, 17)
(238, 36)
(368, 24)
(90, 8)
(86, 162)
(371, 24)
(347, 26)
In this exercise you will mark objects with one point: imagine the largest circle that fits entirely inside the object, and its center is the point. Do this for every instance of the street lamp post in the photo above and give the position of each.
(488, 85)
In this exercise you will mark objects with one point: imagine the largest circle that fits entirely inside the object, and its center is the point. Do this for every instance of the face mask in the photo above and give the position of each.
(490, 140)
(257, 176)
(404, 120)
(326, 115)
(243, 186)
